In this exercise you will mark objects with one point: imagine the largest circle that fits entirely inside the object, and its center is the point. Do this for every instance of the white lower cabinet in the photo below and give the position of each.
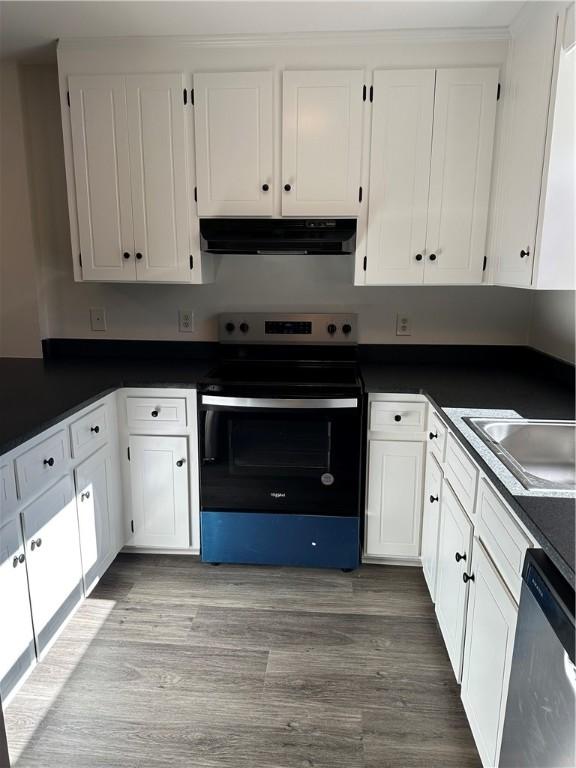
(52, 543)
(490, 628)
(17, 639)
(97, 500)
(159, 481)
(394, 500)
(452, 582)
(431, 522)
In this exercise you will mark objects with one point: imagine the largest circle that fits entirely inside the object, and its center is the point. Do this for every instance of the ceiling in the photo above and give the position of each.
(28, 27)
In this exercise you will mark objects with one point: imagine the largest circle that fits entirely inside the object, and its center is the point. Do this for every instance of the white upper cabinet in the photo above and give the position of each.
(234, 131)
(322, 142)
(160, 183)
(102, 176)
(430, 171)
(399, 175)
(461, 167)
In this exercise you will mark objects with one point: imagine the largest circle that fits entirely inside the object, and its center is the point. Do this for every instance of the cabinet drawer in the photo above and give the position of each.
(398, 417)
(8, 497)
(156, 412)
(462, 474)
(437, 433)
(505, 542)
(89, 432)
(42, 464)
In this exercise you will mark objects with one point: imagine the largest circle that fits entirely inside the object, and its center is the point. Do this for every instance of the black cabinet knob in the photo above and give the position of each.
(49, 462)
(126, 255)
(466, 578)
(15, 561)
(244, 327)
(154, 414)
(139, 256)
(180, 462)
(287, 187)
(397, 417)
(230, 327)
(524, 253)
(433, 499)
(346, 328)
(331, 328)
(95, 429)
(460, 557)
(35, 543)
(85, 495)
(21, 559)
(265, 187)
(418, 257)
(432, 257)
(432, 435)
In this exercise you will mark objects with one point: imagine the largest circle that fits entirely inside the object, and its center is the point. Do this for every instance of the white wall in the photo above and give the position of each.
(552, 326)
(19, 327)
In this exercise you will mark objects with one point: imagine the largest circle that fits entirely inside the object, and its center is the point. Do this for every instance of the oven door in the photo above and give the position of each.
(280, 455)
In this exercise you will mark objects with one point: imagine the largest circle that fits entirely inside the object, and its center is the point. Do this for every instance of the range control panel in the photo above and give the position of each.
(286, 328)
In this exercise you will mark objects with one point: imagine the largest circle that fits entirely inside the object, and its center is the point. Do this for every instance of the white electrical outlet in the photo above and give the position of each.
(98, 318)
(403, 325)
(185, 321)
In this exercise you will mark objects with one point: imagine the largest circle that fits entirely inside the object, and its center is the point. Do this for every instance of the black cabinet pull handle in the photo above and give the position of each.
(95, 429)
(460, 557)
(180, 462)
(433, 499)
(85, 495)
(126, 255)
(397, 417)
(139, 256)
(265, 187)
(433, 435)
(154, 414)
(35, 543)
(418, 257)
(432, 257)
(287, 187)
(524, 253)
(49, 462)
(466, 578)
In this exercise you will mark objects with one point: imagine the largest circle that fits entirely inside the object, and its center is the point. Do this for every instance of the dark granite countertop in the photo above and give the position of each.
(36, 394)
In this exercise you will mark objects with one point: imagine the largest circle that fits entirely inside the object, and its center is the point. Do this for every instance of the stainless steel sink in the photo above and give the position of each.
(540, 454)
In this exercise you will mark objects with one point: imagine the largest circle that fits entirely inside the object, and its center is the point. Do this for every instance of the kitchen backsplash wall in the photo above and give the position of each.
(437, 315)
(552, 328)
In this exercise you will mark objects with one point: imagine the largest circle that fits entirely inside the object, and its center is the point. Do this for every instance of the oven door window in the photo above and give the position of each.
(279, 447)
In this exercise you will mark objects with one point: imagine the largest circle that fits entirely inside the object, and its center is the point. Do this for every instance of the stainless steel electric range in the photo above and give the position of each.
(280, 426)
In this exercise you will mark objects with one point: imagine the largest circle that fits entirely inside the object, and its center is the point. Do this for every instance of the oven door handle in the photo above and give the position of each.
(210, 447)
(280, 403)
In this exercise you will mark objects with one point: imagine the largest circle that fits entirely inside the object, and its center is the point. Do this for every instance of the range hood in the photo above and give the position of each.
(278, 236)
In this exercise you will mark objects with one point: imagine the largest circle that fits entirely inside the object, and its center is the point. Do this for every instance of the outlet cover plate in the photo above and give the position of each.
(97, 318)
(403, 325)
(185, 321)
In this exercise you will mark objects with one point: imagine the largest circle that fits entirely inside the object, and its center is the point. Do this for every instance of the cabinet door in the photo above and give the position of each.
(96, 500)
(490, 628)
(233, 118)
(394, 498)
(157, 119)
(53, 557)
(160, 500)
(399, 175)
(102, 176)
(431, 522)
(451, 589)
(461, 168)
(525, 102)
(17, 646)
(322, 143)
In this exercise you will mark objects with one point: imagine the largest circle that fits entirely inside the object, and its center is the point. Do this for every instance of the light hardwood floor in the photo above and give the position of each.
(174, 663)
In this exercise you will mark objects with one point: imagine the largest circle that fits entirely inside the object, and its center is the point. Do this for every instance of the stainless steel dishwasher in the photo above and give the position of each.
(539, 724)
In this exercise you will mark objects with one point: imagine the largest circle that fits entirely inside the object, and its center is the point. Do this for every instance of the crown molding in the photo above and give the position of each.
(484, 34)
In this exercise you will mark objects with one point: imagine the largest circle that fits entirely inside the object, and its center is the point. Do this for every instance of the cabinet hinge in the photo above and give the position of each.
(365, 263)
(132, 525)
(80, 258)
(371, 93)
(498, 92)
(359, 194)
(484, 264)
(191, 262)
(128, 452)
(195, 194)
(364, 93)
(185, 96)
(68, 97)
